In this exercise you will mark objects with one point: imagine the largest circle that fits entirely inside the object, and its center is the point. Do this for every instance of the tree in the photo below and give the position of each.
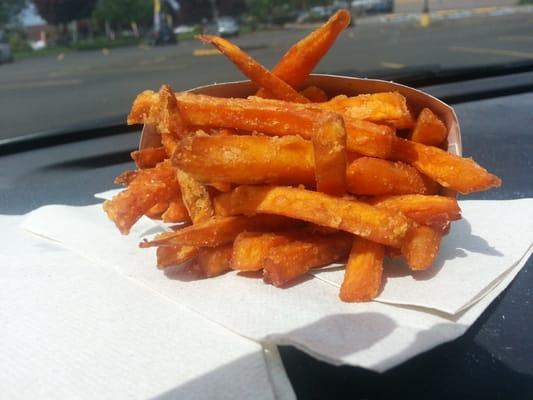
(9, 9)
(57, 12)
(124, 12)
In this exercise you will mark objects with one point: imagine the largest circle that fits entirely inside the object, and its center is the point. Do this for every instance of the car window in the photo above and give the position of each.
(68, 66)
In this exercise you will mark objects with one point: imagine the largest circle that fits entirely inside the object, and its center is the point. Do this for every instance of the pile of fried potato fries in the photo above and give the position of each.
(289, 179)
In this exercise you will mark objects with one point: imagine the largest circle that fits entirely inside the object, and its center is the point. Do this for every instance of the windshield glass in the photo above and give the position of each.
(66, 66)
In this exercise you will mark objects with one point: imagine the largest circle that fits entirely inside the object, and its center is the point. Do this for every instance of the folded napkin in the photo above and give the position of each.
(76, 329)
(478, 260)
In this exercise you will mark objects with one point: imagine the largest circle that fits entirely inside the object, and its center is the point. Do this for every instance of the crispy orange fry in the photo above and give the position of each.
(368, 138)
(195, 197)
(175, 255)
(362, 278)
(157, 210)
(421, 246)
(250, 249)
(125, 178)
(289, 261)
(160, 109)
(329, 149)
(223, 187)
(149, 187)
(433, 211)
(372, 176)
(218, 230)
(176, 212)
(214, 261)
(247, 159)
(387, 107)
(451, 171)
(149, 158)
(296, 65)
(379, 225)
(257, 73)
(429, 129)
(315, 94)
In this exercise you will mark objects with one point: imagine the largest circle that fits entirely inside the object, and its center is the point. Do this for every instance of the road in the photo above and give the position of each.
(408, 6)
(85, 87)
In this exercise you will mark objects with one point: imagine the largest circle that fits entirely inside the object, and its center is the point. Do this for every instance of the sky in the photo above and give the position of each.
(30, 17)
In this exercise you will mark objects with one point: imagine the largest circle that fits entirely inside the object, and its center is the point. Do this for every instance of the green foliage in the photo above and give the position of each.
(524, 2)
(18, 42)
(123, 12)
(10, 9)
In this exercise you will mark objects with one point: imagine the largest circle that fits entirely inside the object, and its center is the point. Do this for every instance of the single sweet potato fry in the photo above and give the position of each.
(257, 73)
(175, 255)
(247, 159)
(461, 174)
(433, 211)
(250, 249)
(289, 261)
(149, 187)
(315, 94)
(170, 123)
(218, 230)
(214, 261)
(157, 210)
(379, 225)
(195, 197)
(271, 117)
(362, 277)
(125, 178)
(222, 187)
(429, 129)
(368, 138)
(421, 247)
(296, 65)
(329, 148)
(160, 109)
(176, 212)
(149, 158)
(372, 176)
(386, 107)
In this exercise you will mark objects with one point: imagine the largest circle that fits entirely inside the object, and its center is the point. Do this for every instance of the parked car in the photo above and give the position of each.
(224, 26)
(372, 6)
(182, 29)
(5, 49)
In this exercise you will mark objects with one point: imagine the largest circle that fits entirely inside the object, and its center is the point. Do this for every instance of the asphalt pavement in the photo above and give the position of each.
(83, 88)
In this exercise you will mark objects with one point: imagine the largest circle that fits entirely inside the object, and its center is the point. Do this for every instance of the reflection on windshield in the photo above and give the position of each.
(66, 65)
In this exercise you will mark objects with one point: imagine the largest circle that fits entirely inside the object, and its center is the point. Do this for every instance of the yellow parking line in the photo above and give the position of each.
(496, 52)
(206, 52)
(392, 65)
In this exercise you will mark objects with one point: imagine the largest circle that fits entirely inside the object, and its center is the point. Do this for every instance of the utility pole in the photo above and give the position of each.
(157, 15)
(425, 18)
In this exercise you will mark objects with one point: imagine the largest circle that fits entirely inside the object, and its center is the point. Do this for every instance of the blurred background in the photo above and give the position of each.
(72, 64)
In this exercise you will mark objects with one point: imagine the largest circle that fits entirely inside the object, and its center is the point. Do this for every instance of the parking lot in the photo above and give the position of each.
(86, 87)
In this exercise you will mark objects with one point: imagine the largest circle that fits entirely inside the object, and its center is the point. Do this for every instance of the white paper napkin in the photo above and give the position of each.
(309, 315)
(75, 329)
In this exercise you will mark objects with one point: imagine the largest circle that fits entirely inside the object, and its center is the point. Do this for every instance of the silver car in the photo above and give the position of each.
(225, 26)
